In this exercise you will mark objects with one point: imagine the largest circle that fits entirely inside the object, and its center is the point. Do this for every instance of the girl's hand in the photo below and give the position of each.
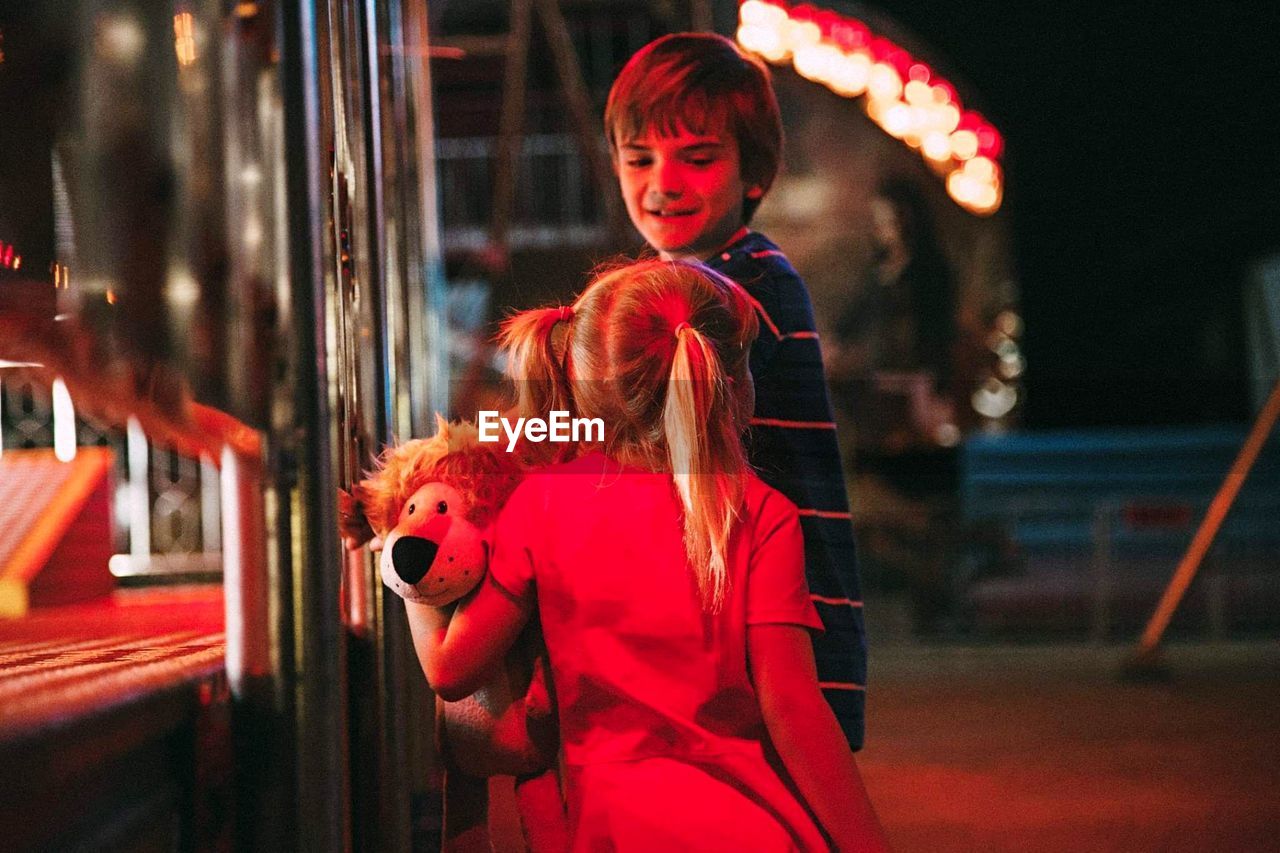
(353, 525)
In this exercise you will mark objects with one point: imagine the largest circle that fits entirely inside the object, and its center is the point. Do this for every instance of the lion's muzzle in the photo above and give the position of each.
(412, 557)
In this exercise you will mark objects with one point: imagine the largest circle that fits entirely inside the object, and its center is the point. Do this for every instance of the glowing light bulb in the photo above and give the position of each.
(754, 13)
(875, 110)
(752, 37)
(764, 40)
(897, 120)
(936, 146)
(964, 144)
(981, 169)
(184, 38)
(919, 123)
(961, 187)
(884, 83)
(994, 399)
(775, 48)
(1009, 323)
(818, 62)
(801, 34)
(917, 93)
(945, 117)
(986, 198)
(947, 435)
(120, 39)
(851, 74)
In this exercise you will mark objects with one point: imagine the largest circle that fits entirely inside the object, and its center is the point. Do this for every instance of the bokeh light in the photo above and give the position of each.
(903, 95)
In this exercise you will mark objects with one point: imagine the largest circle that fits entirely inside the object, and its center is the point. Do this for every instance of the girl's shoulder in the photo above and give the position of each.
(765, 504)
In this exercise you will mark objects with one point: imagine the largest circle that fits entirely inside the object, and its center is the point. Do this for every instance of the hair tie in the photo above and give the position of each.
(680, 327)
(566, 314)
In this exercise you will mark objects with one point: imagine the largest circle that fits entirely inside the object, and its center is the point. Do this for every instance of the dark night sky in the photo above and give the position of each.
(1143, 176)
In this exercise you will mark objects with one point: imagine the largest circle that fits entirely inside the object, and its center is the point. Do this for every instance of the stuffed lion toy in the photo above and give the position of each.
(431, 501)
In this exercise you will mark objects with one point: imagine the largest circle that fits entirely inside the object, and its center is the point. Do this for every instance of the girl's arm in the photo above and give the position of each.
(807, 737)
(458, 652)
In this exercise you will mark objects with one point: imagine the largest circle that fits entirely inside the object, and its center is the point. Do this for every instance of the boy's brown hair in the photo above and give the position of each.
(700, 82)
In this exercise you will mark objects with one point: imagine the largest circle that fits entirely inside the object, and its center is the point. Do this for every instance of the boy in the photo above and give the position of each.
(695, 135)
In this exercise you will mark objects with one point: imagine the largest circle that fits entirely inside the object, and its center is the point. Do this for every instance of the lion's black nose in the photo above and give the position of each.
(412, 557)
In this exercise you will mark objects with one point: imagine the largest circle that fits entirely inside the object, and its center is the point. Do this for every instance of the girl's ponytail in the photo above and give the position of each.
(658, 351)
(538, 374)
(704, 451)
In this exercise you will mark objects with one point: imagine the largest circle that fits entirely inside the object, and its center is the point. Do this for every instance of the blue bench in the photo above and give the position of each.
(1092, 524)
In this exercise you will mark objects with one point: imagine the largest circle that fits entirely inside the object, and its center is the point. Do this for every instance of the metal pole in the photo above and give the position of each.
(506, 162)
(304, 463)
(1204, 537)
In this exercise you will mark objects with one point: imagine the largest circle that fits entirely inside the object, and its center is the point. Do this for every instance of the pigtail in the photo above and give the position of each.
(538, 373)
(706, 459)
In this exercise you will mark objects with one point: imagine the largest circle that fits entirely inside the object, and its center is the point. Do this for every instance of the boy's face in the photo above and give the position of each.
(684, 192)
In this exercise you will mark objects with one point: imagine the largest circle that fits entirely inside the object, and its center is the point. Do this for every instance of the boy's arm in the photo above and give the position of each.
(458, 651)
(807, 737)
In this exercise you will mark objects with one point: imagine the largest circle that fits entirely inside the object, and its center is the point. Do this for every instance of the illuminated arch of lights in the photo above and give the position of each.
(900, 93)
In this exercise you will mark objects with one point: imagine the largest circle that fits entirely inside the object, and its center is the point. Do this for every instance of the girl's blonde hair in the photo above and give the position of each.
(657, 350)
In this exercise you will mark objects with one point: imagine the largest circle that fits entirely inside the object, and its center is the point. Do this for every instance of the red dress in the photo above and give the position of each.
(662, 732)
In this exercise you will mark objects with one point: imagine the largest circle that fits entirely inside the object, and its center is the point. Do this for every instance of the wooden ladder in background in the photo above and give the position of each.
(513, 46)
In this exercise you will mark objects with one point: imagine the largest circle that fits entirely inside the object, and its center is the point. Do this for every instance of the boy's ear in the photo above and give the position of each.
(755, 192)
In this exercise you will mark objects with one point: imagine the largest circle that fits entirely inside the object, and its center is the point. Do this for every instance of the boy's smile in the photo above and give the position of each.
(684, 192)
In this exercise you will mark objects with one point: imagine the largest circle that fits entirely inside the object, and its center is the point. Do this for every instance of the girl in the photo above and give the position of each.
(669, 580)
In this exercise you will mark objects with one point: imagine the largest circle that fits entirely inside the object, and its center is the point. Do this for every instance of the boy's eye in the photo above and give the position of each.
(638, 162)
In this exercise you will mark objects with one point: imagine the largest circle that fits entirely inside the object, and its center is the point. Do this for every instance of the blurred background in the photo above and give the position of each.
(243, 245)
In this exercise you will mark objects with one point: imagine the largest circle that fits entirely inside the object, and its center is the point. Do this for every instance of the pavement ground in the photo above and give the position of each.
(1043, 747)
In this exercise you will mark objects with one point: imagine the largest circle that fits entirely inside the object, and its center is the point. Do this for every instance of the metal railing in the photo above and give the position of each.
(556, 203)
(167, 509)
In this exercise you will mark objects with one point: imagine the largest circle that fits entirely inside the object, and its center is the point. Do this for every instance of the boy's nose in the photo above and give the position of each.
(666, 181)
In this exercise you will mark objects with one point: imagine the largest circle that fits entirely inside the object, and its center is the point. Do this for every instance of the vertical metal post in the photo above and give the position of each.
(245, 578)
(210, 506)
(425, 389)
(138, 451)
(506, 168)
(304, 460)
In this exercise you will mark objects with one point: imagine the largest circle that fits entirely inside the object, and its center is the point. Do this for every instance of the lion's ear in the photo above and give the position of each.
(442, 427)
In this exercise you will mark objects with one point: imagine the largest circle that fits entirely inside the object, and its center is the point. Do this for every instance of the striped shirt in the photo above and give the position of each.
(793, 447)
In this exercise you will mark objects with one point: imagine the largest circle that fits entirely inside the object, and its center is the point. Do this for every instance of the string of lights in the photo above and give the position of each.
(901, 94)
